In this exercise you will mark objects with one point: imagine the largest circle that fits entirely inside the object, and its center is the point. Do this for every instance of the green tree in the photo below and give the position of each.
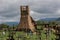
(3, 25)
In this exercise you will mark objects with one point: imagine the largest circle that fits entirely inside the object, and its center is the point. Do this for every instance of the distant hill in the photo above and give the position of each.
(58, 19)
(49, 19)
(11, 23)
(45, 19)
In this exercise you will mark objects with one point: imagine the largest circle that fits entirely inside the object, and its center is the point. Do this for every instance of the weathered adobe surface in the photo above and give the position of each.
(26, 21)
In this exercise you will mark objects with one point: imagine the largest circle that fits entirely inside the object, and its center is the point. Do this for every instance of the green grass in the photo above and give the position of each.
(29, 36)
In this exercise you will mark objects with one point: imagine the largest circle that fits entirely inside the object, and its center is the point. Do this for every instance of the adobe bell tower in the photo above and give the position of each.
(26, 21)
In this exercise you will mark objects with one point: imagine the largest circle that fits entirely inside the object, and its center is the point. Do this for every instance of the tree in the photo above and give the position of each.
(3, 25)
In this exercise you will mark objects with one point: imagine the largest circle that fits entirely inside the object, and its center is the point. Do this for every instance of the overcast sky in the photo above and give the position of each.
(10, 9)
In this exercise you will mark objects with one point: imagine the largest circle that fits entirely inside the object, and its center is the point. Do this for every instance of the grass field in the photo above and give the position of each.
(22, 35)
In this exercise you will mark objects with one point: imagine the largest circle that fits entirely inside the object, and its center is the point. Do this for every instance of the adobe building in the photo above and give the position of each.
(26, 21)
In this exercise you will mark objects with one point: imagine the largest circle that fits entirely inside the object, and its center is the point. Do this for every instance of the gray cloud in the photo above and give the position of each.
(10, 10)
(46, 6)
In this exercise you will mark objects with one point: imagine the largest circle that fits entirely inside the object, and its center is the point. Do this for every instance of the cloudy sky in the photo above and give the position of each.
(10, 9)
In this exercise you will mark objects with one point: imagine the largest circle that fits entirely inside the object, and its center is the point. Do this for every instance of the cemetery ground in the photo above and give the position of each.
(21, 35)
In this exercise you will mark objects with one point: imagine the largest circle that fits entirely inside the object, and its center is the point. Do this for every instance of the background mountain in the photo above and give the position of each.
(58, 19)
(50, 19)
(45, 19)
(11, 23)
